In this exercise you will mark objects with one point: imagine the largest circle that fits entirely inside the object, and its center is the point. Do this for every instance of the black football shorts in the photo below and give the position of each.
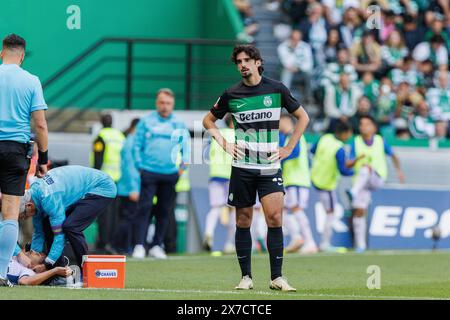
(246, 183)
(14, 166)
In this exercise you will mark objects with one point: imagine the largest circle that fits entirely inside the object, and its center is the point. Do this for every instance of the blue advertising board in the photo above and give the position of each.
(397, 219)
(403, 219)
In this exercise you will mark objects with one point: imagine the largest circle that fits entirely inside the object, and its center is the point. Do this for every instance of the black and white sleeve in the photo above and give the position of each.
(220, 108)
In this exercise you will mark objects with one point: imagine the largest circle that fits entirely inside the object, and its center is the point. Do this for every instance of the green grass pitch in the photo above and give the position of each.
(404, 275)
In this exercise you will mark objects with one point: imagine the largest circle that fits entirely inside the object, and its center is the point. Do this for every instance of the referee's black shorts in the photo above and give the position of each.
(14, 166)
(246, 183)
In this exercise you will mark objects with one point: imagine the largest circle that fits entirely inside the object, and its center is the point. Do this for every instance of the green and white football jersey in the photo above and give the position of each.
(256, 114)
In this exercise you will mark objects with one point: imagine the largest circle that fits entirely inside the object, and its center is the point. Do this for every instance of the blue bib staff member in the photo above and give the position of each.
(160, 137)
(21, 98)
(63, 204)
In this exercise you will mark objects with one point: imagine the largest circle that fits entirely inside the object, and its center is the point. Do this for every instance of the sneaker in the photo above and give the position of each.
(246, 283)
(139, 252)
(311, 249)
(229, 248)
(328, 249)
(281, 284)
(5, 283)
(208, 243)
(157, 252)
(294, 245)
(360, 250)
(332, 249)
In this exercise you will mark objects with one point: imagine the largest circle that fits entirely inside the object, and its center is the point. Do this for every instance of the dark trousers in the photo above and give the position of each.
(107, 225)
(163, 186)
(79, 216)
(126, 234)
(170, 240)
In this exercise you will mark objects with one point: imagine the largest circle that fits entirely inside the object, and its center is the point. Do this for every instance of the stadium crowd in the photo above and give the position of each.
(390, 61)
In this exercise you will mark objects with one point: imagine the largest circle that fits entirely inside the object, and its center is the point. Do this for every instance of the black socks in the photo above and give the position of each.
(275, 248)
(244, 250)
(274, 245)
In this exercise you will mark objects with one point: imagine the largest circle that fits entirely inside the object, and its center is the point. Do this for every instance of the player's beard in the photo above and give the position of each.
(246, 75)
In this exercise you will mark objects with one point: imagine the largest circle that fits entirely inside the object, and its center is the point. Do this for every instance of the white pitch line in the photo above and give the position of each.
(255, 293)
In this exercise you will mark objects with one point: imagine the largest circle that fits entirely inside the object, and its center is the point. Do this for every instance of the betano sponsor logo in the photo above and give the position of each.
(265, 115)
(106, 274)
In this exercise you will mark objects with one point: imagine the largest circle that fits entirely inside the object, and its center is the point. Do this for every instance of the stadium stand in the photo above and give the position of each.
(401, 67)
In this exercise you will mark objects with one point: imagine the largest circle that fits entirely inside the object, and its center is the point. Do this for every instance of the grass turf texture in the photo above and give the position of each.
(404, 275)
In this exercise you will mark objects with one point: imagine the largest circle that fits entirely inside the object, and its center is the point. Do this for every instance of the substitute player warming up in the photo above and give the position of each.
(370, 174)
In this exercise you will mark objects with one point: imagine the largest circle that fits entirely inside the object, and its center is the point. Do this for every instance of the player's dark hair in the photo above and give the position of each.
(106, 120)
(342, 127)
(251, 51)
(370, 118)
(13, 41)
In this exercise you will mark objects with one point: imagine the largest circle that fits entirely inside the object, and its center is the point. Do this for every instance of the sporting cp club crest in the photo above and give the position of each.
(268, 101)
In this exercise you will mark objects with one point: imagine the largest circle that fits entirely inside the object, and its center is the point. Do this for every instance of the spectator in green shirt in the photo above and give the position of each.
(370, 87)
(438, 28)
(386, 103)
(406, 72)
(438, 98)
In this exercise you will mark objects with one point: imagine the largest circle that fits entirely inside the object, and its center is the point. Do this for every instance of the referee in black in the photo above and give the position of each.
(21, 98)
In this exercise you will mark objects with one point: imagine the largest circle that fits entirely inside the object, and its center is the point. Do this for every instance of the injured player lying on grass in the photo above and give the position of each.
(20, 271)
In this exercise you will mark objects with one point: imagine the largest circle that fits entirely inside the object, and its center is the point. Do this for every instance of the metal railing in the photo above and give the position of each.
(188, 60)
